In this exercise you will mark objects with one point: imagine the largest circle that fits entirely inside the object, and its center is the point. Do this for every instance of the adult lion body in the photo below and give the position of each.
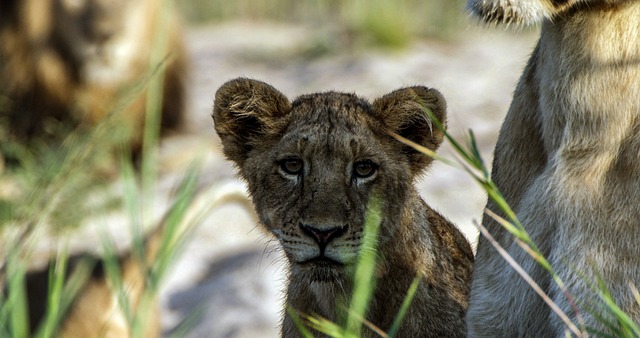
(312, 165)
(99, 307)
(79, 60)
(567, 162)
(96, 310)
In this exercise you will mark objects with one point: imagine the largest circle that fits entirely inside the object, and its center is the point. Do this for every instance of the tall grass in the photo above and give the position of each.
(59, 186)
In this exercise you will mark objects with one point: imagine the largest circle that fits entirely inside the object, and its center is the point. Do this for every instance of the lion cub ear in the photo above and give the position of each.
(404, 113)
(245, 112)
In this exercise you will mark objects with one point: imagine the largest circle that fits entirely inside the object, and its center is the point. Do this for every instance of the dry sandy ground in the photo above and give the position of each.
(231, 268)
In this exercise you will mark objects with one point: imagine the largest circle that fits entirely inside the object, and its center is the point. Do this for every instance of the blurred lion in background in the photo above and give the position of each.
(77, 61)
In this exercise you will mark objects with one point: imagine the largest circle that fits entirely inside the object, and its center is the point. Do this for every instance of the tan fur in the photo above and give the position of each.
(79, 60)
(96, 311)
(567, 162)
(325, 137)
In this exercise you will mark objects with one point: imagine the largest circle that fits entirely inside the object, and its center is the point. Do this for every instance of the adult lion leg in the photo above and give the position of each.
(498, 293)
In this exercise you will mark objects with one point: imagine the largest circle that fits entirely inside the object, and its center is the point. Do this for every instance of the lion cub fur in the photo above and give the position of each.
(311, 166)
(567, 162)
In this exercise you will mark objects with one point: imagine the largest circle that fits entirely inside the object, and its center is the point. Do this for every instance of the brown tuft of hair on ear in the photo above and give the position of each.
(404, 112)
(245, 111)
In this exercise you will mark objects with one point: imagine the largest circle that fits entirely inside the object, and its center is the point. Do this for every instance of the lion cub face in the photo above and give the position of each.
(311, 165)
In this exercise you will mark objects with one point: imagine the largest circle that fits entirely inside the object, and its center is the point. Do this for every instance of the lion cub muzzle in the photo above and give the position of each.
(325, 244)
(323, 236)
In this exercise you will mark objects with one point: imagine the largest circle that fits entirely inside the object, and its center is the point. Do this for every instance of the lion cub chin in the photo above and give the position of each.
(311, 166)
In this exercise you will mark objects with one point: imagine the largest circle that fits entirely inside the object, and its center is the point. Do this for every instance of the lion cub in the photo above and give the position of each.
(311, 166)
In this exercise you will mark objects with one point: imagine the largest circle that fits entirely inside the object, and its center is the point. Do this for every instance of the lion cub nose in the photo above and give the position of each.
(323, 236)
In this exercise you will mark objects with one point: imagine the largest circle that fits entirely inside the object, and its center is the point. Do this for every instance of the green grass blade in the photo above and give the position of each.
(423, 150)
(293, 314)
(469, 158)
(57, 274)
(63, 291)
(364, 281)
(154, 97)
(475, 154)
(625, 325)
(554, 307)
(17, 304)
(131, 202)
(5, 313)
(193, 318)
(175, 231)
(327, 327)
(113, 272)
(405, 307)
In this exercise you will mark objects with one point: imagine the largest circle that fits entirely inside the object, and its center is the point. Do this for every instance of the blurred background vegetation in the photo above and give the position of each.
(387, 23)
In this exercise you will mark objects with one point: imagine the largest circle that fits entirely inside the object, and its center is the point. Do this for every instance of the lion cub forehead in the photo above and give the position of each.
(335, 122)
(330, 105)
(330, 114)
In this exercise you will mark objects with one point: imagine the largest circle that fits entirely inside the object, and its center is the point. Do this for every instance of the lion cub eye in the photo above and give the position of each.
(364, 169)
(291, 166)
